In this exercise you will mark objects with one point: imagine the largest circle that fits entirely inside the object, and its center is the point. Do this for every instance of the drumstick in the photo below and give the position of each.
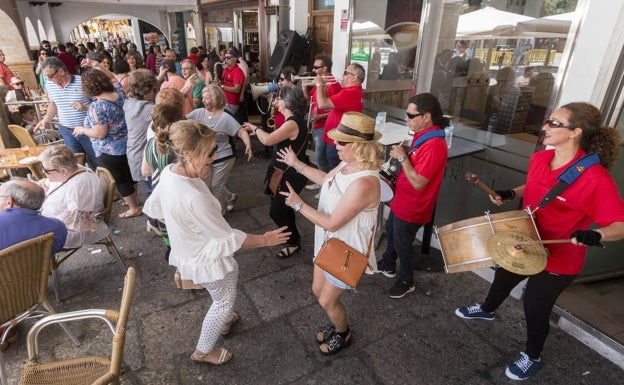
(472, 177)
(544, 242)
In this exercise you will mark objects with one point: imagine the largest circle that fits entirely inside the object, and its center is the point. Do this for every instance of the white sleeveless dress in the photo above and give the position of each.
(358, 231)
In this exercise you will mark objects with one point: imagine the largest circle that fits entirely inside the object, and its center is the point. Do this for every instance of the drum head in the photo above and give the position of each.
(517, 252)
(386, 190)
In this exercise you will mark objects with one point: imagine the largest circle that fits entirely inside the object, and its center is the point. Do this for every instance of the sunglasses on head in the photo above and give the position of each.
(412, 116)
(554, 123)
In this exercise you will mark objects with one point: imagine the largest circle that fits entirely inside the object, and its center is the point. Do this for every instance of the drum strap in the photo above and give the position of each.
(569, 175)
(425, 137)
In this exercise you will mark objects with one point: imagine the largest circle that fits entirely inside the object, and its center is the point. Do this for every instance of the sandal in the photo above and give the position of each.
(287, 252)
(131, 213)
(325, 333)
(335, 343)
(228, 326)
(224, 356)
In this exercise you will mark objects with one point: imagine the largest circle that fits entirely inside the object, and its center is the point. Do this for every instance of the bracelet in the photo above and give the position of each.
(602, 236)
(256, 130)
(299, 167)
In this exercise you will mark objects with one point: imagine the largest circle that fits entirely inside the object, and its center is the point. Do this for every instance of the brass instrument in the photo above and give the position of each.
(311, 80)
(271, 119)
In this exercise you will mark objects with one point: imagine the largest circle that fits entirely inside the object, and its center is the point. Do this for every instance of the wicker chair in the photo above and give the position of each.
(84, 370)
(24, 271)
(22, 135)
(108, 186)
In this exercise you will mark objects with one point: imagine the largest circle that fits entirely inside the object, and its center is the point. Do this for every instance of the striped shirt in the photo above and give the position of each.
(63, 97)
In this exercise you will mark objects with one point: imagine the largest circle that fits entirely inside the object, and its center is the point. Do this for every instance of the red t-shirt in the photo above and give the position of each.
(593, 197)
(429, 160)
(231, 76)
(348, 99)
(6, 74)
(330, 91)
(68, 60)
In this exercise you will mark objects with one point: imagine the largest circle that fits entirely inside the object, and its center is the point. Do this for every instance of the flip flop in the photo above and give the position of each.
(131, 213)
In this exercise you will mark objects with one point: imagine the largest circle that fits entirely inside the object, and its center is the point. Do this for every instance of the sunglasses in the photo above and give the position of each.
(19, 84)
(348, 73)
(554, 123)
(212, 152)
(317, 67)
(412, 116)
(282, 79)
(342, 143)
(53, 74)
(47, 171)
(228, 57)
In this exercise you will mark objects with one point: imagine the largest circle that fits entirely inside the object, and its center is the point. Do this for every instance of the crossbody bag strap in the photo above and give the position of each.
(569, 176)
(66, 180)
(425, 137)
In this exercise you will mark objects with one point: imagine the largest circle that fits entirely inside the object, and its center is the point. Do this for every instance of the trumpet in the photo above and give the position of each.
(311, 80)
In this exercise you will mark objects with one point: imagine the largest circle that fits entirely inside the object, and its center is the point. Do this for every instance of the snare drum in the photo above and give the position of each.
(387, 189)
(464, 243)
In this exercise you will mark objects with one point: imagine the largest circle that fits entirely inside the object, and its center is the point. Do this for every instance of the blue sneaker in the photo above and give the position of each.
(523, 368)
(474, 312)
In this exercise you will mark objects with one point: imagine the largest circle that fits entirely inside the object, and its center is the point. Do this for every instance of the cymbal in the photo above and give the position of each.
(517, 252)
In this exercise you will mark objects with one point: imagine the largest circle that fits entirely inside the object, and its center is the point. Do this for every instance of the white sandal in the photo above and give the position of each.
(224, 357)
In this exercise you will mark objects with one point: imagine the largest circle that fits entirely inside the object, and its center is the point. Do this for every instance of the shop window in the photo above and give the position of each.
(323, 5)
(384, 40)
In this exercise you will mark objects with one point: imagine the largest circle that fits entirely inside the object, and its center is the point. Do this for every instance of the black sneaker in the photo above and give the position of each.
(389, 273)
(400, 289)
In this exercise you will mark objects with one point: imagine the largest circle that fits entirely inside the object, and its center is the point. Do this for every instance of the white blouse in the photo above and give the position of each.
(202, 242)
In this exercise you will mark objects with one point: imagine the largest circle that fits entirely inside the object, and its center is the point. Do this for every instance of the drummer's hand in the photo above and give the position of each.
(502, 196)
(291, 196)
(288, 156)
(397, 151)
(586, 238)
(497, 200)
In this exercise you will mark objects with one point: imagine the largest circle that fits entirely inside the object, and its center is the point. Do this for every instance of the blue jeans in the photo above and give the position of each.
(81, 143)
(319, 150)
(400, 236)
(333, 159)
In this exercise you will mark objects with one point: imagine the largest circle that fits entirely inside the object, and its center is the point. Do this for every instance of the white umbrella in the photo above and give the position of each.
(488, 21)
(548, 26)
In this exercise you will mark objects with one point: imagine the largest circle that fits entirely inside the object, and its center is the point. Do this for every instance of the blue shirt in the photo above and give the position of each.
(18, 225)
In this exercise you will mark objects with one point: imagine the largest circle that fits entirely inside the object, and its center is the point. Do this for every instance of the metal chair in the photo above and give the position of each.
(22, 135)
(24, 271)
(108, 186)
(82, 370)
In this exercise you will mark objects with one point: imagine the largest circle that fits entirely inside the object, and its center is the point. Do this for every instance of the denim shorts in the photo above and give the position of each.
(335, 281)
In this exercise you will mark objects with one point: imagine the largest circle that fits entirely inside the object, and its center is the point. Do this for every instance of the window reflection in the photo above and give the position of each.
(385, 37)
(495, 69)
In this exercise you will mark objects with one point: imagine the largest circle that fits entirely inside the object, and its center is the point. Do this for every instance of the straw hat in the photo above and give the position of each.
(15, 80)
(355, 127)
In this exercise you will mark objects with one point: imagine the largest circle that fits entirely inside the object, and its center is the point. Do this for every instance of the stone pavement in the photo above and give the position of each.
(414, 340)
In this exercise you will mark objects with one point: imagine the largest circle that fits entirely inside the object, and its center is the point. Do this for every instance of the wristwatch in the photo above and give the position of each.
(401, 158)
(297, 207)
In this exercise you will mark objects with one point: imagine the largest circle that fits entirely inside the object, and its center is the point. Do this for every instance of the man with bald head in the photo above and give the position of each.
(20, 220)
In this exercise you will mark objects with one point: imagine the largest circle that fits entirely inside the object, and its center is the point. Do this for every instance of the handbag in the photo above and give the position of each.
(343, 261)
(276, 177)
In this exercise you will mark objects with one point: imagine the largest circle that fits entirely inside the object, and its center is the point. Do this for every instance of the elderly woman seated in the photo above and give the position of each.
(73, 195)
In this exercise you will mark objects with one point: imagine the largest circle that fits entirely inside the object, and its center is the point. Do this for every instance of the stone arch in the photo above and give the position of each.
(31, 33)
(42, 32)
(14, 47)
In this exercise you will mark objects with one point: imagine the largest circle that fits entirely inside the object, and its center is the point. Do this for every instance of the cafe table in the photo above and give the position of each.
(18, 158)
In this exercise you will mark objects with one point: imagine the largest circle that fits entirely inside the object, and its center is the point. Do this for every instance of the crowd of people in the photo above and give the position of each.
(172, 127)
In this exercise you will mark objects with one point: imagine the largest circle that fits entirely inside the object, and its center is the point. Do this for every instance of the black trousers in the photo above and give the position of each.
(283, 215)
(542, 290)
